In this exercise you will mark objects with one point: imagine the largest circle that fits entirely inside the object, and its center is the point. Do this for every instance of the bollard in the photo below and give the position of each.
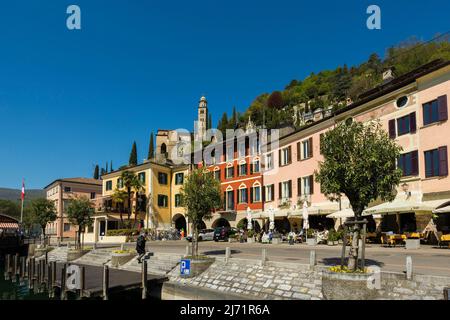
(63, 282)
(94, 246)
(188, 251)
(52, 289)
(121, 247)
(227, 254)
(144, 279)
(263, 256)
(6, 265)
(105, 282)
(46, 256)
(312, 259)
(82, 282)
(49, 280)
(409, 267)
(17, 264)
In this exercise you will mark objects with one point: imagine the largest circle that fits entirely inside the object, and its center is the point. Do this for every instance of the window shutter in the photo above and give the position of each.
(251, 167)
(412, 123)
(443, 161)
(415, 163)
(310, 151)
(311, 184)
(289, 155)
(263, 193)
(279, 191)
(224, 201)
(273, 191)
(298, 151)
(442, 108)
(392, 134)
(299, 186)
(251, 194)
(290, 188)
(279, 158)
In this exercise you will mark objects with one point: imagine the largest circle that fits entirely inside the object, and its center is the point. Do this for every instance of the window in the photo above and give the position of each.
(230, 152)
(243, 195)
(435, 111)
(243, 169)
(308, 185)
(217, 174)
(67, 189)
(230, 172)
(270, 192)
(178, 200)
(141, 177)
(163, 200)
(66, 227)
(162, 178)
(409, 163)
(306, 151)
(406, 124)
(285, 189)
(179, 178)
(402, 101)
(436, 162)
(241, 149)
(285, 156)
(229, 202)
(108, 185)
(269, 161)
(254, 146)
(92, 195)
(255, 166)
(119, 183)
(256, 194)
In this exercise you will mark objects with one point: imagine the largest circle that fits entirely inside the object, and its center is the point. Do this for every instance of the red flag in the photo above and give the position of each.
(23, 189)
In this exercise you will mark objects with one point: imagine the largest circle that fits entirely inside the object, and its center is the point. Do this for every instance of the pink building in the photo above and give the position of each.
(413, 109)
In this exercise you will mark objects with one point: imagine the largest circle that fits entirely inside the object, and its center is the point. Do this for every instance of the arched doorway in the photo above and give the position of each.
(282, 225)
(179, 222)
(221, 222)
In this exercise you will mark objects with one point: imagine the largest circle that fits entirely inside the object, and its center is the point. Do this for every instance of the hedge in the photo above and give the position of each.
(122, 232)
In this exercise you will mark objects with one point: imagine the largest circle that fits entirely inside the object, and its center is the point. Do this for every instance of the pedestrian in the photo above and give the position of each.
(140, 246)
(182, 234)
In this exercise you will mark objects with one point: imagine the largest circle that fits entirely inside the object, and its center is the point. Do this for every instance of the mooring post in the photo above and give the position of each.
(409, 267)
(312, 259)
(50, 280)
(144, 279)
(63, 282)
(30, 275)
(52, 289)
(6, 266)
(121, 247)
(82, 281)
(105, 282)
(46, 256)
(17, 265)
(22, 268)
(227, 254)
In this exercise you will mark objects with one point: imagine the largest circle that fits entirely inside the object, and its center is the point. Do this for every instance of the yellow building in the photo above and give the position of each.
(178, 212)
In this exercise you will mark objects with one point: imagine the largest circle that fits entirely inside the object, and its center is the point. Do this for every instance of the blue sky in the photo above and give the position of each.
(70, 99)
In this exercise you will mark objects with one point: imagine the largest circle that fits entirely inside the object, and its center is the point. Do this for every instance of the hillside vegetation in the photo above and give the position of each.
(334, 88)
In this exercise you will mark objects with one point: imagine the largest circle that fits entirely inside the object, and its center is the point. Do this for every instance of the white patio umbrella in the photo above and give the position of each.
(249, 219)
(442, 210)
(271, 219)
(305, 218)
(344, 213)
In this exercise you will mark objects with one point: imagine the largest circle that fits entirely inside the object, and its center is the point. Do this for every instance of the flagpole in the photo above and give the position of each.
(22, 197)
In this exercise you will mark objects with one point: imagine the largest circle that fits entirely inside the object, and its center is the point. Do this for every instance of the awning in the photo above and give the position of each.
(345, 213)
(280, 213)
(316, 210)
(403, 206)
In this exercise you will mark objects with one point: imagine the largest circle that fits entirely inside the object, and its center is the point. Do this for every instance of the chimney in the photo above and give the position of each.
(388, 74)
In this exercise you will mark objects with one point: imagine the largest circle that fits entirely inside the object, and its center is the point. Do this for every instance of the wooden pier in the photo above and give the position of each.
(91, 281)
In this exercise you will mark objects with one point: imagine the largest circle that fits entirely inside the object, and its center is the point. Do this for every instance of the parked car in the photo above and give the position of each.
(223, 233)
(203, 235)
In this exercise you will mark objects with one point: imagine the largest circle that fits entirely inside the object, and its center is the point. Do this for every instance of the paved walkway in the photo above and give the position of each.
(426, 260)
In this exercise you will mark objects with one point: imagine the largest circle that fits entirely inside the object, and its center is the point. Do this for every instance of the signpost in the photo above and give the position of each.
(185, 267)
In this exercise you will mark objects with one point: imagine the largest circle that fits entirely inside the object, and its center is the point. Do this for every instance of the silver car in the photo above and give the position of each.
(203, 235)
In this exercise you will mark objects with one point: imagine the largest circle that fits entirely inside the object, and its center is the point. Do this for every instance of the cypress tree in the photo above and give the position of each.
(234, 119)
(223, 123)
(133, 155)
(102, 171)
(96, 172)
(106, 167)
(151, 148)
(111, 167)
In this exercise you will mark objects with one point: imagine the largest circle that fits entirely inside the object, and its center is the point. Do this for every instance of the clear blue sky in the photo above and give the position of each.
(70, 99)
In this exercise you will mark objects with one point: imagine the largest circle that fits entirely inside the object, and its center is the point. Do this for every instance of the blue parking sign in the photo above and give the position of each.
(185, 267)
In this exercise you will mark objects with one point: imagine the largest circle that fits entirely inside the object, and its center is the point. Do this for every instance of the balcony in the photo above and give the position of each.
(284, 203)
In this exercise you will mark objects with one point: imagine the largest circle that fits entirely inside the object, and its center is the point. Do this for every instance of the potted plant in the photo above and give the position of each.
(311, 239)
(120, 257)
(232, 238)
(250, 236)
(333, 238)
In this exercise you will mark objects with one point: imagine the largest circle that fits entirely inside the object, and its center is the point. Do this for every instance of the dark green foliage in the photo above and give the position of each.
(96, 172)
(133, 155)
(151, 148)
(10, 208)
(80, 212)
(42, 212)
(111, 167)
(275, 100)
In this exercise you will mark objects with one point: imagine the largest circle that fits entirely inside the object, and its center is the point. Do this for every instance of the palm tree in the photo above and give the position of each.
(130, 182)
(119, 196)
(138, 186)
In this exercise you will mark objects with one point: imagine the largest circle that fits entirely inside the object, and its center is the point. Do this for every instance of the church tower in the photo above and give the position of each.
(201, 123)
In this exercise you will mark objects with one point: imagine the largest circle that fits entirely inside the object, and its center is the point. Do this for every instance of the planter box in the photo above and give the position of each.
(198, 267)
(412, 243)
(347, 286)
(311, 241)
(250, 240)
(331, 243)
(39, 252)
(119, 259)
(75, 254)
(232, 240)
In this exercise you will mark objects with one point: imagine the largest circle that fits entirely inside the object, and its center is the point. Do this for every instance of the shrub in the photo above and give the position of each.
(251, 233)
(121, 232)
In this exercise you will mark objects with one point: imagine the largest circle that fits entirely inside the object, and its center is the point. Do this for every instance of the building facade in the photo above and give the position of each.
(61, 191)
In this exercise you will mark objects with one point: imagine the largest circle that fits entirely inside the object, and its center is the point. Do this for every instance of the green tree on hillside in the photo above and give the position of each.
(96, 172)
(360, 163)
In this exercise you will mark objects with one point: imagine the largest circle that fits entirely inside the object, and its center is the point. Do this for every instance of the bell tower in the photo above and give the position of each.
(201, 123)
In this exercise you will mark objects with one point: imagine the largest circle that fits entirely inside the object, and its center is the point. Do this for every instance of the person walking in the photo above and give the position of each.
(140, 246)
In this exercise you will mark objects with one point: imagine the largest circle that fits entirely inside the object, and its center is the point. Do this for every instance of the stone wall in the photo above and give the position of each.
(249, 279)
